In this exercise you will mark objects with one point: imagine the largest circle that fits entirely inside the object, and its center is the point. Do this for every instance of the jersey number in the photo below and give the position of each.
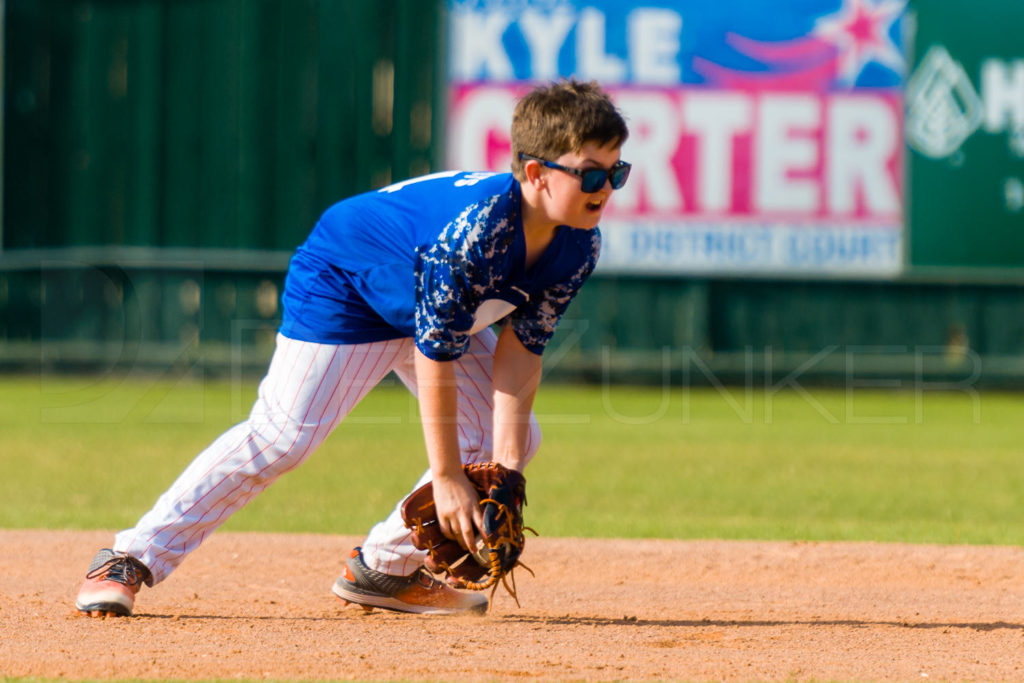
(468, 181)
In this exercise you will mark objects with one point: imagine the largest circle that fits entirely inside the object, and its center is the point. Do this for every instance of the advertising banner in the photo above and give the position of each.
(766, 137)
(965, 132)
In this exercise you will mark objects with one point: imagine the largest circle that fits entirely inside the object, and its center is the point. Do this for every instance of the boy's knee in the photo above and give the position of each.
(285, 438)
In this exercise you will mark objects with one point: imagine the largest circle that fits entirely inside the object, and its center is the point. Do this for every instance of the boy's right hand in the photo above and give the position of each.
(458, 508)
(501, 493)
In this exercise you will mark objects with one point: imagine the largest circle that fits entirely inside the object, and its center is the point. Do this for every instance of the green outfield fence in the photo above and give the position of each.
(162, 158)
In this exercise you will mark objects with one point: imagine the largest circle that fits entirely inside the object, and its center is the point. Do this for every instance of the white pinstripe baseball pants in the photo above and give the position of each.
(307, 392)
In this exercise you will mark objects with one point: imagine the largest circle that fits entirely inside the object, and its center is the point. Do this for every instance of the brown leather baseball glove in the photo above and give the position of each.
(502, 493)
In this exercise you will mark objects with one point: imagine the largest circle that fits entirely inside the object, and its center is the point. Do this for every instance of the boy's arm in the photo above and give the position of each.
(458, 511)
(517, 374)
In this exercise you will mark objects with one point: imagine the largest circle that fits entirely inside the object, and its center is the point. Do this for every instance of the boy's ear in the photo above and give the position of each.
(532, 171)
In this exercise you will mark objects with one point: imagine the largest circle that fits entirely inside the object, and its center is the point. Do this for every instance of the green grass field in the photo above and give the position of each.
(85, 453)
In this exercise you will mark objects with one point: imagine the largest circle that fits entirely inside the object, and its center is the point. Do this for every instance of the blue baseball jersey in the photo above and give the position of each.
(437, 258)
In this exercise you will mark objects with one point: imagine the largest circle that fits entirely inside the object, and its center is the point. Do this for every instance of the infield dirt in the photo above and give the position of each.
(259, 606)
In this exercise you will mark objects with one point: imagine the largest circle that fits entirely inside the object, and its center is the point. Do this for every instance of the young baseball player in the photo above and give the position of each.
(410, 279)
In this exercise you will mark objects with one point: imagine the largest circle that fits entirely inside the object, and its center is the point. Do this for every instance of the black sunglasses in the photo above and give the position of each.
(591, 179)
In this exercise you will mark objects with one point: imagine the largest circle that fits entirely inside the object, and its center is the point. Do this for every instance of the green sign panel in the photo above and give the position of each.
(965, 134)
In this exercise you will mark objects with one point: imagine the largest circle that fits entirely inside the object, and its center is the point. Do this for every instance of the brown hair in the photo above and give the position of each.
(555, 119)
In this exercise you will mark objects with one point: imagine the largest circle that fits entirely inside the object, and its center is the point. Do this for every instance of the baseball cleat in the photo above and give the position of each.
(418, 593)
(110, 585)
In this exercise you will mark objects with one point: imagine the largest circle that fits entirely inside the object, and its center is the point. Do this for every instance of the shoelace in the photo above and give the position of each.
(119, 568)
(505, 536)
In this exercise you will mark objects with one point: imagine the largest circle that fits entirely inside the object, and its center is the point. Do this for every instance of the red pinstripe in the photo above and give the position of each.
(229, 500)
(359, 386)
(487, 396)
(330, 399)
(212, 467)
(223, 502)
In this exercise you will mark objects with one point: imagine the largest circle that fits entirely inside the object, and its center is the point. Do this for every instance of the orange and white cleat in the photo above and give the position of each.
(110, 585)
(418, 593)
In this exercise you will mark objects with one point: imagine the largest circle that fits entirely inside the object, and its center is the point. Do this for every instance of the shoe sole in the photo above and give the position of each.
(105, 600)
(353, 594)
(103, 609)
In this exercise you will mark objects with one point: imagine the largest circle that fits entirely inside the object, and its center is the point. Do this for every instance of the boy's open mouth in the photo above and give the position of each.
(594, 206)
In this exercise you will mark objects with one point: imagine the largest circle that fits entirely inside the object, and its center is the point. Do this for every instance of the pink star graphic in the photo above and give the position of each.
(860, 33)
